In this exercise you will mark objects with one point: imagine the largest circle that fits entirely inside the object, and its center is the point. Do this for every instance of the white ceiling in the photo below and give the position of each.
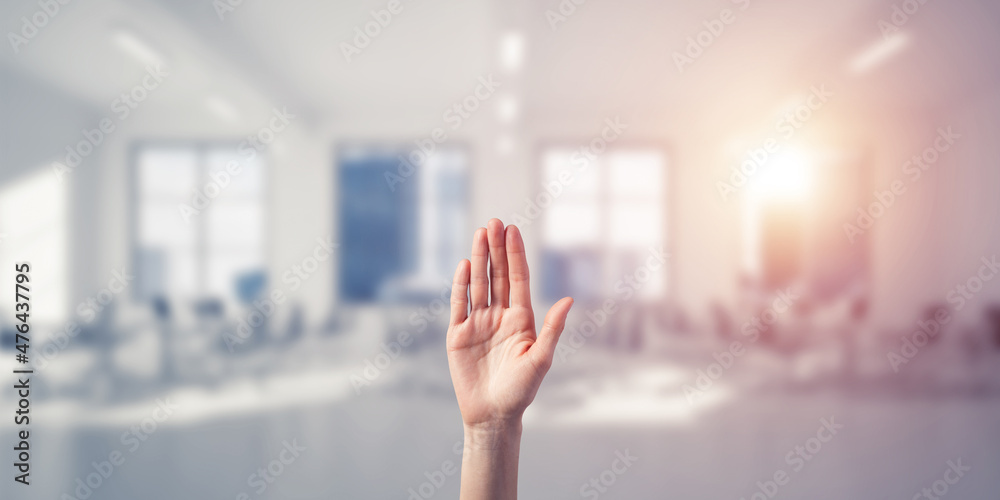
(608, 55)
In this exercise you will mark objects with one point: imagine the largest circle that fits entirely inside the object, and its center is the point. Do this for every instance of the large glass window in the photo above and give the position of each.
(199, 228)
(604, 222)
(33, 228)
(401, 230)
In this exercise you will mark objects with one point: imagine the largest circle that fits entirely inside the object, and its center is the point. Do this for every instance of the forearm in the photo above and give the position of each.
(489, 463)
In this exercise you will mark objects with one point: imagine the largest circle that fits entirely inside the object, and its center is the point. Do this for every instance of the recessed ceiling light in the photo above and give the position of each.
(505, 144)
(507, 108)
(511, 51)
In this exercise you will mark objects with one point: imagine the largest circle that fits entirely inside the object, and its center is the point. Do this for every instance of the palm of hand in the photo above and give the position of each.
(497, 362)
(494, 378)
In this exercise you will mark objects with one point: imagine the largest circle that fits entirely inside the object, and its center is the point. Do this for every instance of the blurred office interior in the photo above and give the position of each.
(253, 209)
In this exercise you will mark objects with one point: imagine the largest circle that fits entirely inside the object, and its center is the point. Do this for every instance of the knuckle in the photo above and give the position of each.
(544, 363)
(518, 276)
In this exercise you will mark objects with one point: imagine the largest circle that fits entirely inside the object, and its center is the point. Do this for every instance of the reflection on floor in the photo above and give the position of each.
(398, 432)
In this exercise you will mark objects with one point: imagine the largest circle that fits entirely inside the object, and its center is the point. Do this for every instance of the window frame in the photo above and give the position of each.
(605, 201)
(394, 146)
(201, 148)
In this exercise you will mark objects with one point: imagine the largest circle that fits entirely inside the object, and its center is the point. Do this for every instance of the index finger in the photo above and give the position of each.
(460, 293)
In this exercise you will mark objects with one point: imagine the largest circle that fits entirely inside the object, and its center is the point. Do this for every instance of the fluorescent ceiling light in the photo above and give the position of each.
(879, 52)
(223, 109)
(135, 47)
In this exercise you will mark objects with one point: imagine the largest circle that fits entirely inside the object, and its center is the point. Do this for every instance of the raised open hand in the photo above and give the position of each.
(496, 359)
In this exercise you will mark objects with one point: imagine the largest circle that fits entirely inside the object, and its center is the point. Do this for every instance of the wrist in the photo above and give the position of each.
(493, 434)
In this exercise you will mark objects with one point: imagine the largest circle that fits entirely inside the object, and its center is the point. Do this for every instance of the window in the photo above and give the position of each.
(604, 221)
(33, 228)
(401, 235)
(199, 229)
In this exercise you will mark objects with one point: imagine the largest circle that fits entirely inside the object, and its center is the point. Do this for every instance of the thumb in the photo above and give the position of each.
(555, 320)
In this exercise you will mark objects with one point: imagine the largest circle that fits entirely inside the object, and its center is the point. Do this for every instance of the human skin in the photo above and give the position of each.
(496, 358)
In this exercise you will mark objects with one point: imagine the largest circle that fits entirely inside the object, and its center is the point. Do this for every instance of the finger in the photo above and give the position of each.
(460, 293)
(548, 338)
(479, 292)
(520, 291)
(500, 287)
